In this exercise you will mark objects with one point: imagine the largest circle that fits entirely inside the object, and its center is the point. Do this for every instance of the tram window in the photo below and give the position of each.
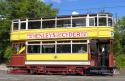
(79, 48)
(16, 49)
(48, 49)
(34, 42)
(78, 22)
(95, 21)
(109, 22)
(93, 49)
(48, 42)
(102, 21)
(48, 24)
(34, 24)
(64, 48)
(91, 21)
(79, 41)
(23, 25)
(68, 41)
(33, 49)
(15, 26)
(64, 23)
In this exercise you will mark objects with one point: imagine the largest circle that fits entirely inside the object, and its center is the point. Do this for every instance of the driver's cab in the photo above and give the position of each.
(100, 50)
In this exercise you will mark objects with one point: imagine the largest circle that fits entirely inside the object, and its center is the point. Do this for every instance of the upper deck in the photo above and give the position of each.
(73, 26)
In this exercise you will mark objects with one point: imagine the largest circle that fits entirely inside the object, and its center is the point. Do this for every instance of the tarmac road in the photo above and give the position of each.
(21, 77)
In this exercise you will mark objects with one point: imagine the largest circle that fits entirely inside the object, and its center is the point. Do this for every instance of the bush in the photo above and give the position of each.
(120, 60)
(7, 53)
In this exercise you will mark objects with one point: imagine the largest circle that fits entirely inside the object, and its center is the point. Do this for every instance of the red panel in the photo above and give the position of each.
(17, 60)
(111, 60)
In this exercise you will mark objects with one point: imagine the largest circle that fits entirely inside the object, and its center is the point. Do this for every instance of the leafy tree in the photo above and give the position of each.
(14, 9)
(120, 35)
(7, 53)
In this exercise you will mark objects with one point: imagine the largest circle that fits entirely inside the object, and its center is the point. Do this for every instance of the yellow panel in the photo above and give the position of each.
(104, 33)
(14, 37)
(91, 32)
(57, 57)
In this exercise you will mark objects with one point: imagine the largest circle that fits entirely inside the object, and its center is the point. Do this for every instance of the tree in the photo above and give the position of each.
(120, 43)
(14, 9)
(120, 35)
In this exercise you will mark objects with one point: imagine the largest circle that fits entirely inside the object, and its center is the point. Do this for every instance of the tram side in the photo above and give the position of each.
(63, 45)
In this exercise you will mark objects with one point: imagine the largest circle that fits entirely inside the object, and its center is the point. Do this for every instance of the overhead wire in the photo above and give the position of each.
(108, 7)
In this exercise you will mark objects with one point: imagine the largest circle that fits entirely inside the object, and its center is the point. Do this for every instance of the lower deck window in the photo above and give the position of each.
(33, 49)
(75, 46)
(48, 49)
(66, 48)
(79, 48)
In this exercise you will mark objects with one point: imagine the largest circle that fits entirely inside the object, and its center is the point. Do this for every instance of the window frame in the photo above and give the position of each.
(27, 44)
(55, 45)
(13, 26)
(33, 21)
(63, 43)
(63, 19)
(73, 18)
(55, 20)
(44, 20)
(103, 22)
(47, 44)
(21, 23)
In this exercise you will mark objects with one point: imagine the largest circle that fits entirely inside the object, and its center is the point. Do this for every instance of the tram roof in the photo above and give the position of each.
(66, 16)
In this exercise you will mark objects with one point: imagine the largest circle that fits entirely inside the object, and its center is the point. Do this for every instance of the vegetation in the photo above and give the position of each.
(120, 60)
(120, 42)
(7, 53)
(14, 9)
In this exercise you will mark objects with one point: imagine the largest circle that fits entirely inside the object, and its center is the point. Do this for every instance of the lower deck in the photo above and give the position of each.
(92, 52)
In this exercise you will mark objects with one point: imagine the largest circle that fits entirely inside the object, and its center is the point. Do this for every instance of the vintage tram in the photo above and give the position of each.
(70, 44)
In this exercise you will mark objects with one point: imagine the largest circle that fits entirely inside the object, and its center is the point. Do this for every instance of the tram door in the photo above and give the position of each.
(103, 52)
(100, 52)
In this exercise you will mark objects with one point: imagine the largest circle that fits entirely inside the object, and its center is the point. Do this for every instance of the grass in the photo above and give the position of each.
(120, 60)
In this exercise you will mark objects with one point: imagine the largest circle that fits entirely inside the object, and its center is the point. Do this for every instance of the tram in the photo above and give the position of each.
(69, 44)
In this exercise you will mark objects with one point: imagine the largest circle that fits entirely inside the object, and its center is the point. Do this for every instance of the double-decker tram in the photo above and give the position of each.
(71, 44)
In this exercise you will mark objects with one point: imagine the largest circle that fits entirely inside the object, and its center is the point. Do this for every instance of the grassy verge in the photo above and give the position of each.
(120, 60)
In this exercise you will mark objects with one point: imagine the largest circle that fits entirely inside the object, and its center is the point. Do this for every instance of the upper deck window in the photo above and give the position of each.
(78, 22)
(23, 25)
(34, 24)
(91, 21)
(109, 21)
(102, 21)
(64, 23)
(15, 26)
(48, 24)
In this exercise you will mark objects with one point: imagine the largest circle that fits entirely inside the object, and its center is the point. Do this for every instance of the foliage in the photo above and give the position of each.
(4, 36)
(14, 9)
(7, 53)
(120, 42)
(120, 36)
(26, 8)
(120, 60)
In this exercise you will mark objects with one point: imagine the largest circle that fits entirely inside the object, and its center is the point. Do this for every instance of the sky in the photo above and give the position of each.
(67, 7)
